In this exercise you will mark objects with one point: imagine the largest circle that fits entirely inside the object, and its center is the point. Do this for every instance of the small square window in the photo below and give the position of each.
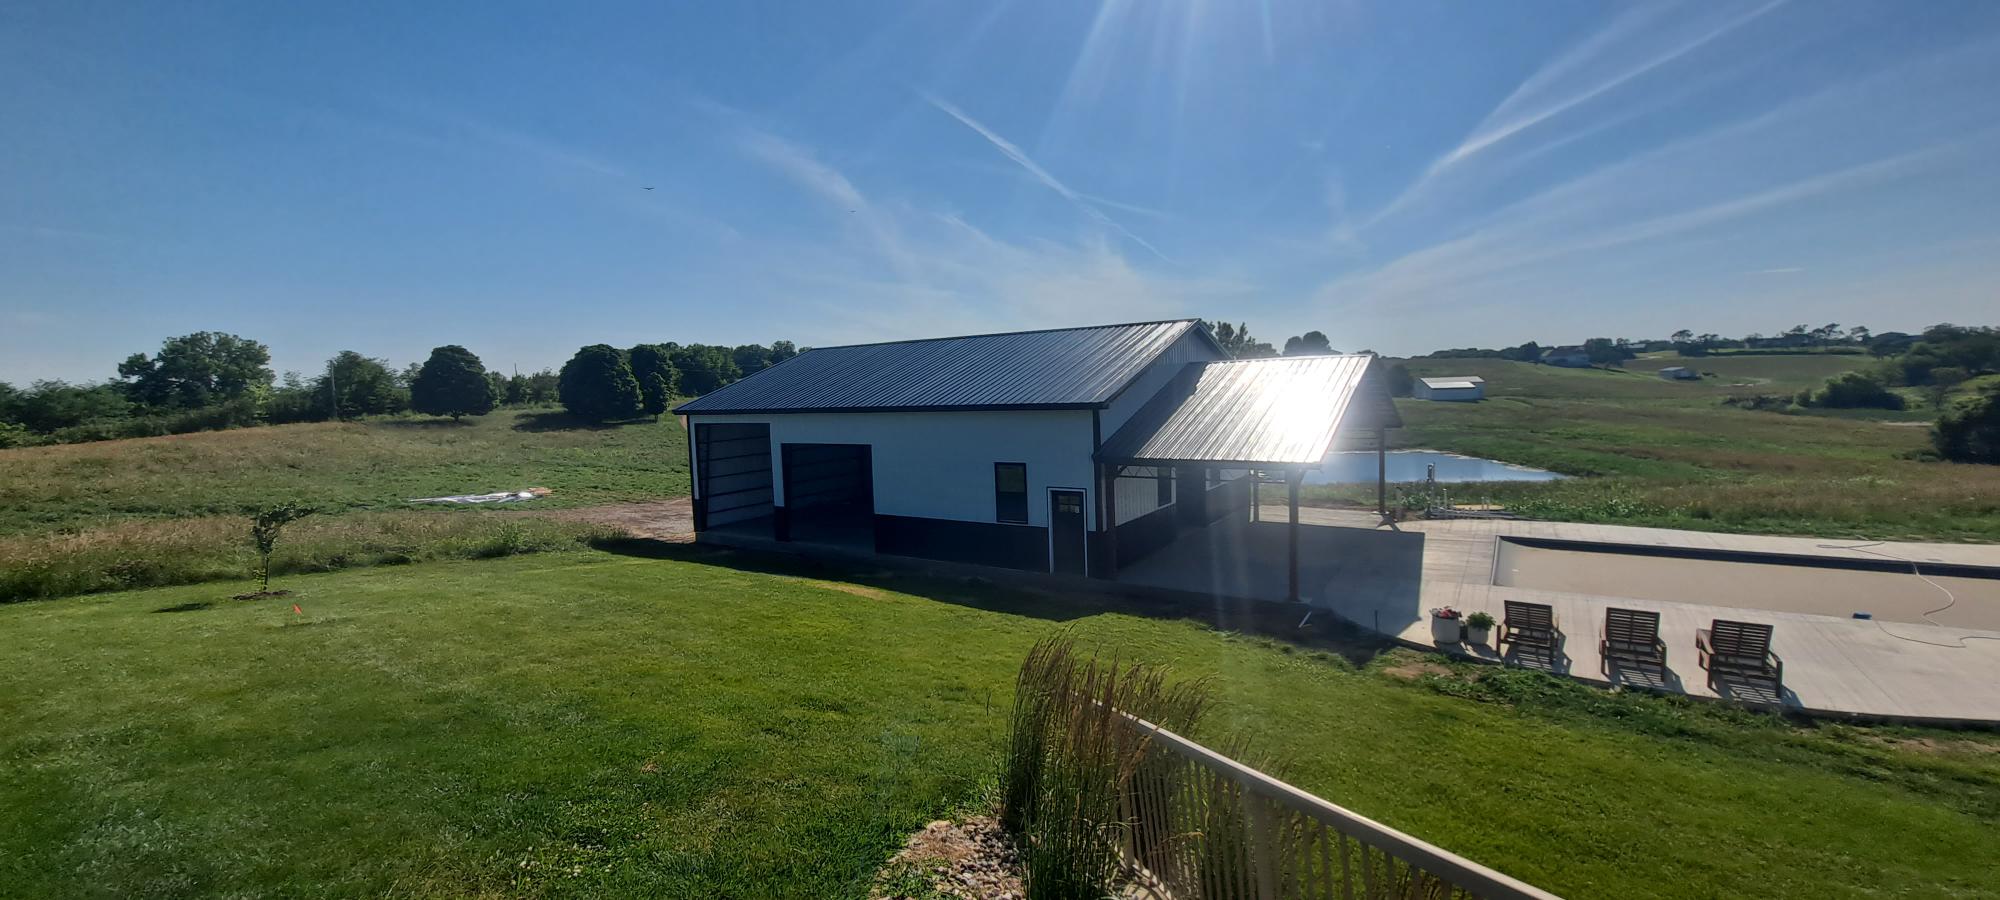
(1010, 492)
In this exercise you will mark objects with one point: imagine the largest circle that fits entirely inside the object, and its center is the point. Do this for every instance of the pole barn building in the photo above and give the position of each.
(1017, 449)
(1461, 388)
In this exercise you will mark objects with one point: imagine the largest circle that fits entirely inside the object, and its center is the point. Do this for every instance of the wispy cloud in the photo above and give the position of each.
(421, 122)
(1593, 214)
(919, 270)
(803, 169)
(1783, 270)
(1636, 44)
(1897, 125)
(1020, 158)
(1134, 208)
(1527, 106)
(540, 148)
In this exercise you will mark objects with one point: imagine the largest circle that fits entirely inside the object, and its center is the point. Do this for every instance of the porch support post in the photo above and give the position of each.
(1111, 519)
(1292, 535)
(1382, 472)
(1256, 494)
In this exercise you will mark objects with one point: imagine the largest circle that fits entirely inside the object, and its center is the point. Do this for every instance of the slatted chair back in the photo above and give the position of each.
(1631, 626)
(1746, 641)
(1533, 617)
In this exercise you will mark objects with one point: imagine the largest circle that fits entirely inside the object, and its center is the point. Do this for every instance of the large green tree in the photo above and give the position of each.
(197, 370)
(703, 367)
(1970, 430)
(653, 366)
(356, 385)
(1606, 351)
(1855, 390)
(1237, 340)
(452, 383)
(597, 385)
(542, 388)
(750, 359)
(1312, 343)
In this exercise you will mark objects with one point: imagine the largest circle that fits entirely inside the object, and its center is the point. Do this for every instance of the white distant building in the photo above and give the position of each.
(1680, 373)
(1456, 388)
(1569, 357)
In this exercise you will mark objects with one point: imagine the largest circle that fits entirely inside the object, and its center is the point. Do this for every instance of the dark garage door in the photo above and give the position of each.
(734, 464)
(830, 493)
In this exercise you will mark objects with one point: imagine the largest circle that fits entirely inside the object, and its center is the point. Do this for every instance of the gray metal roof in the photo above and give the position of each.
(1068, 368)
(1266, 412)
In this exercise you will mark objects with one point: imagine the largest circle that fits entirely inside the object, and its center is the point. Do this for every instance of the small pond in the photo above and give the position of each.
(1358, 466)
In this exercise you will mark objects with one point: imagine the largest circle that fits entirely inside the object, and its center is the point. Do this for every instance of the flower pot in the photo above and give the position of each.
(1477, 634)
(1445, 631)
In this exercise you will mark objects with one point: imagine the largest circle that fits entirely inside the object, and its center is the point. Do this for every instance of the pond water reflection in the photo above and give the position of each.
(1358, 466)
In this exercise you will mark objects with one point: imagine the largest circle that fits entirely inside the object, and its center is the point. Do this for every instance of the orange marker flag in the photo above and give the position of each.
(296, 609)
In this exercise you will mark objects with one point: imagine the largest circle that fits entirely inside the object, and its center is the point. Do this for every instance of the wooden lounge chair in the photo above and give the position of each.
(1529, 625)
(1631, 635)
(1742, 649)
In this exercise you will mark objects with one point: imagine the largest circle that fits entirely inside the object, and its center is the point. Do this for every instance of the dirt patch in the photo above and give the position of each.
(972, 860)
(659, 520)
(1413, 667)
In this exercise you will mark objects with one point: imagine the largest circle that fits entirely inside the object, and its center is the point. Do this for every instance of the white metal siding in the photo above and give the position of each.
(939, 465)
(1137, 496)
(1191, 347)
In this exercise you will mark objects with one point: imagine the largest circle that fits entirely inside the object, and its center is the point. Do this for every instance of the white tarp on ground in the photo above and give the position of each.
(499, 497)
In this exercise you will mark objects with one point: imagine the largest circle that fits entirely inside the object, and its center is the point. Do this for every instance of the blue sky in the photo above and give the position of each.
(1402, 176)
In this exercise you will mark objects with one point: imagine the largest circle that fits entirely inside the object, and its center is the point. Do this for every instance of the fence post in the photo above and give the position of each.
(1263, 841)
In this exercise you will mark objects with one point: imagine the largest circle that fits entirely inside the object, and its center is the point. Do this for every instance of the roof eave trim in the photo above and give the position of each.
(797, 410)
(1217, 463)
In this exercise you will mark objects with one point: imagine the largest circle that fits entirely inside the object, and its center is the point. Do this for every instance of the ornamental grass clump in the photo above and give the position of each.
(1072, 752)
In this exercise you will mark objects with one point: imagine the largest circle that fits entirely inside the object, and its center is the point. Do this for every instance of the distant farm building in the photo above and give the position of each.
(1680, 373)
(1461, 388)
(1568, 357)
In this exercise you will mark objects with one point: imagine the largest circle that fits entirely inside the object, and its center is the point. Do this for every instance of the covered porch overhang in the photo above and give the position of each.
(1272, 419)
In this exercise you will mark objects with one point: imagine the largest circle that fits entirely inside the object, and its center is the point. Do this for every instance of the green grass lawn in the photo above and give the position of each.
(700, 725)
(372, 464)
(1671, 454)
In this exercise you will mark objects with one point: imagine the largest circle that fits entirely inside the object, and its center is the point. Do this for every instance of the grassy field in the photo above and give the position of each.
(1671, 454)
(174, 510)
(696, 725)
(372, 464)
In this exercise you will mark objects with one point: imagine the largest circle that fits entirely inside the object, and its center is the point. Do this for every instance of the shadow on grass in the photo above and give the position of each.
(562, 421)
(1035, 596)
(189, 606)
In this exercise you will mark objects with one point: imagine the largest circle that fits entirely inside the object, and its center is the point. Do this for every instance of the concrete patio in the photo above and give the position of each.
(1387, 580)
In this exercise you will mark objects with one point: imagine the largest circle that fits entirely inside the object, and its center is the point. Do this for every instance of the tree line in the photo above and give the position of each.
(1237, 340)
(210, 380)
(1685, 342)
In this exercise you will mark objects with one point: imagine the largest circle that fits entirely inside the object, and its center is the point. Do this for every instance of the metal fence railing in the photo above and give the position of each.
(1202, 825)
